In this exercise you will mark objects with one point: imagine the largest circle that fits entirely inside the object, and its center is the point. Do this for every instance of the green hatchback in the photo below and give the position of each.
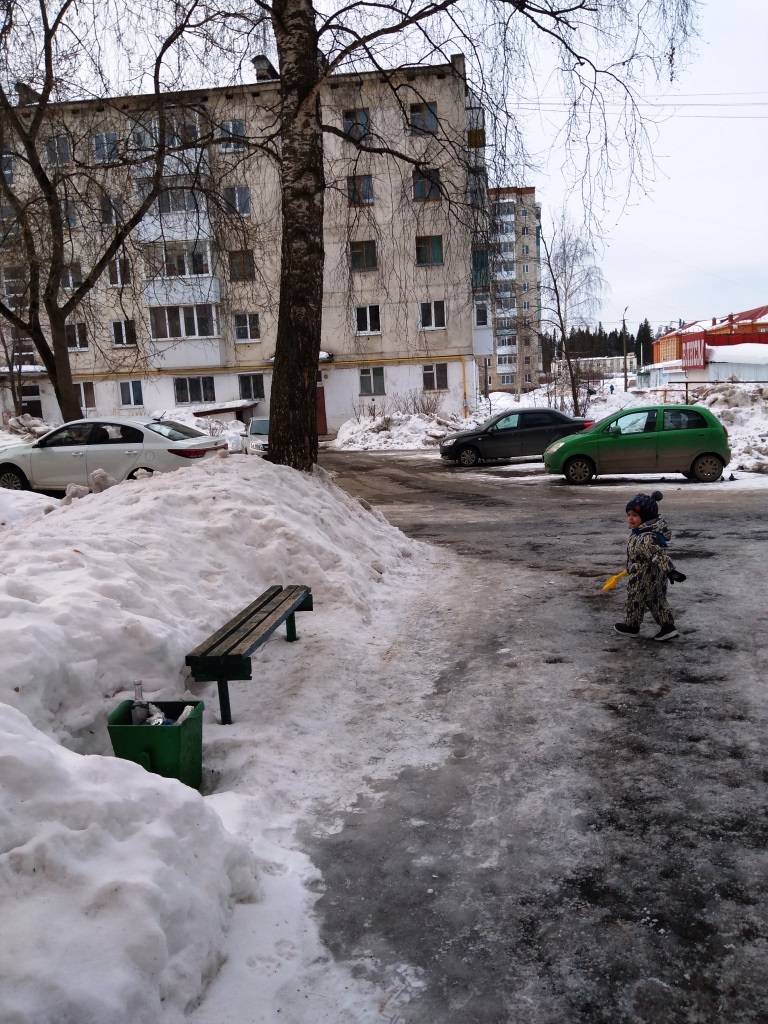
(683, 439)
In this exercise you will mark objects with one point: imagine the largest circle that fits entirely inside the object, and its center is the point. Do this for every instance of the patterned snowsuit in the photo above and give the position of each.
(647, 566)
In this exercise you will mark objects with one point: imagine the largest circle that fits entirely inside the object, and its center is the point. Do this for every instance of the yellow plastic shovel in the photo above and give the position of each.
(611, 583)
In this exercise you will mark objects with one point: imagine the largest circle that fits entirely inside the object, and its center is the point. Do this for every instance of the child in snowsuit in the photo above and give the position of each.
(648, 568)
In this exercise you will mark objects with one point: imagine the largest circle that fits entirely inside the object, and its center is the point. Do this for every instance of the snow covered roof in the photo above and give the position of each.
(749, 352)
(213, 410)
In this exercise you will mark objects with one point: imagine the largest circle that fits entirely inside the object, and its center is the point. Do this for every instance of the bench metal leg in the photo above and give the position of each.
(226, 714)
(290, 628)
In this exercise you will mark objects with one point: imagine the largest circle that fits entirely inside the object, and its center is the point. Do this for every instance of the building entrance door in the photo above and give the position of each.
(322, 422)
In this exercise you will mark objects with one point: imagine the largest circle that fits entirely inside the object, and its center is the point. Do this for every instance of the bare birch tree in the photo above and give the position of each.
(572, 286)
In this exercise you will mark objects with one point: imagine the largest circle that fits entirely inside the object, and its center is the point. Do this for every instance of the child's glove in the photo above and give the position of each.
(676, 577)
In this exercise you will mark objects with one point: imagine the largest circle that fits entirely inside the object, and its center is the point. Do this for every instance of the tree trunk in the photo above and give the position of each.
(293, 404)
(56, 361)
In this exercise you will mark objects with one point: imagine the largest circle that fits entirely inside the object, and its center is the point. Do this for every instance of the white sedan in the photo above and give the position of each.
(121, 446)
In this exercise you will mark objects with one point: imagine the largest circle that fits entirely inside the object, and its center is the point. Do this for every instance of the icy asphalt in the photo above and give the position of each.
(594, 849)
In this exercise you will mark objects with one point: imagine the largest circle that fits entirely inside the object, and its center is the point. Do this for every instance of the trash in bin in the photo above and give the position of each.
(174, 750)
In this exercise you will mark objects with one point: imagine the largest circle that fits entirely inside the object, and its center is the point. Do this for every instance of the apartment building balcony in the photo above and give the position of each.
(187, 353)
(193, 162)
(182, 291)
(174, 227)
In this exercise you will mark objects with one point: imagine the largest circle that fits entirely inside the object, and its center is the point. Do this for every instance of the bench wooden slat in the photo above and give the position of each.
(220, 634)
(235, 641)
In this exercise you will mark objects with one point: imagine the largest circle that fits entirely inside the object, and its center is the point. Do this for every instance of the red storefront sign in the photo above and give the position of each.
(693, 353)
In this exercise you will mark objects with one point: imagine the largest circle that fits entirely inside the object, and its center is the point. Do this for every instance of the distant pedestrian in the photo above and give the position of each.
(611, 388)
(648, 568)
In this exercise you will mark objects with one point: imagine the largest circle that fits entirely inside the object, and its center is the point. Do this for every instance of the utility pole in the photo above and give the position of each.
(624, 343)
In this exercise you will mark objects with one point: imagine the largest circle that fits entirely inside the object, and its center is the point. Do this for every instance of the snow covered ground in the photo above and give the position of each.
(743, 408)
(118, 886)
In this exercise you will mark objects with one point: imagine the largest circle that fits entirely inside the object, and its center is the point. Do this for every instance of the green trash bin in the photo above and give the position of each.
(175, 751)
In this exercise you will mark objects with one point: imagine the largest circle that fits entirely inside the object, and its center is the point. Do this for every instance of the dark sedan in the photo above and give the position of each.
(508, 435)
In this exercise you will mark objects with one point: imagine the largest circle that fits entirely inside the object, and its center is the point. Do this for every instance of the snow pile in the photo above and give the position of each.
(116, 886)
(137, 871)
(121, 585)
(394, 431)
(743, 408)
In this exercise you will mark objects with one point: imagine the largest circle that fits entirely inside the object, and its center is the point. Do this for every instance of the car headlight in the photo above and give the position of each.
(554, 446)
(448, 442)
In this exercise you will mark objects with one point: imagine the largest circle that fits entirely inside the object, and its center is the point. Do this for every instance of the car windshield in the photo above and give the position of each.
(259, 427)
(174, 431)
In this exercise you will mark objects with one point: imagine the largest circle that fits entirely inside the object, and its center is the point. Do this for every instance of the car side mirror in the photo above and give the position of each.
(615, 432)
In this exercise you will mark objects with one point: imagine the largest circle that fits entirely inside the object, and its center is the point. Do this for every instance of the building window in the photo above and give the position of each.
(527, 360)
(432, 315)
(77, 336)
(372, 380)
(505, 227)
(357, 123)
(481, 314)
(524, 229)
(193, 389)
(71, 277)
(130, 392)
(426, 185)
(504, 208)
(58, 152)
(179, 200)
(251, 385)
(6, 166)
(505, 304)
(526, 286)
(435, 376)
(182, 259)
(367, 320)
(184, 321)
(237, 200)
(505, 359)
(119, 272)
(241, 265)
(429, 250)
(247, 327)
(507, 378)
(68, 213)
(233, 135)
(111, 210)
(480, 269)
(87, 397)
(525, 250)
(526, 268)
(528, 378)
(124, 333)
(105, 148)
(362, 255)
(360, 189)
(476, 190)
(424, 118)
(526, 304)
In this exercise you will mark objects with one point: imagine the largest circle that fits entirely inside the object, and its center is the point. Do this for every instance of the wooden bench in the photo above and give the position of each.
(227, 653)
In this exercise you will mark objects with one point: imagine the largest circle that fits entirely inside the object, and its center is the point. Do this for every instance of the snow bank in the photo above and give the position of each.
(16, 506)
(121, 585)
(115, 886)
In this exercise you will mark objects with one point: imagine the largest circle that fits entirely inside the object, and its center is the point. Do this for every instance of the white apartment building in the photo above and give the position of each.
(507, 280)
(187, 314)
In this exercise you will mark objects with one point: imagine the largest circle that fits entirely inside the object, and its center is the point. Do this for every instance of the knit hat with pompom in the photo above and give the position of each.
(645, 505)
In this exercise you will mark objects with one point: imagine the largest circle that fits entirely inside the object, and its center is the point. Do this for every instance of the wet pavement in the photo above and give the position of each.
(592, 848)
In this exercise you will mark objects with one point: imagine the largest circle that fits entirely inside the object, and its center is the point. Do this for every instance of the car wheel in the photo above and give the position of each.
(13, 479)
(468, 456)
(707, 468)
(133, 475)
(579, 470)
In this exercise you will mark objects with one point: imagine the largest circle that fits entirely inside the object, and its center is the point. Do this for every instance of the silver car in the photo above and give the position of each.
(256, 437)
(119, 445)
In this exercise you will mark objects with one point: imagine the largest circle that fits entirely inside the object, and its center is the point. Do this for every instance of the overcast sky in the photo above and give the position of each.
(697, 245)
